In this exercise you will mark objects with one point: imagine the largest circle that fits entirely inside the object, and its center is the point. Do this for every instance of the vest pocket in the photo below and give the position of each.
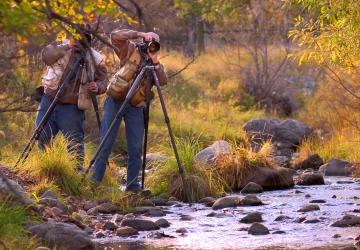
(117, 87)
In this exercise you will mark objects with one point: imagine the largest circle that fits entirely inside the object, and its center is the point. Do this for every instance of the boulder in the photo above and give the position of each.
(106, 208)
(309, 208)
(126, 231)
(154, 159)
(49, 194)
(312, 162)
(62, 235)
(162, 223)
(228, 201)
(258, 229)
(140, 224)
(347, 221)
(282, 218)
(252, 188)
(159, 201)
(210, 154)
(286, 134)
(11, 190)
(50, 202)
(270, 178)
(251, 200)
(308, 179)
(336, 167)
(207, 201)
(110, 225)
(251, 218)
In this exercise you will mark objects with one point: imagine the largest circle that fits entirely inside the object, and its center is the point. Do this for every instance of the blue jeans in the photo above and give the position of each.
(68, 119)
(134, 127)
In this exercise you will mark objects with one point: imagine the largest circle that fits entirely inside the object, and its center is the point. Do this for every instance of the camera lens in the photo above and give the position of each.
(154, 47)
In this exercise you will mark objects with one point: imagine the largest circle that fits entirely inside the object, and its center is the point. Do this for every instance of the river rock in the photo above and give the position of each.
(251, 200)
(210, 154)
(252, 217)
(158, 201)
(54, 203)
(285, 135)
(106, 208)
(109, 225)
(282, 218)
(140, 224)
(309, 208)
(162, 223)
(49, 194)
(348, 221)
(336, 167)
(14, 193)
(207, 201)
(62, 235)
(279, 232)
(155, 213)
(117, 218)
(317, 201)
(311, 221)
(308, 179)
(269, 178)
(89, 205)
(181, 230)
(258, 229)
(312, 162)
(252, 188)
(185, 217)
(147, 203)
(126, 231)
(228, 201)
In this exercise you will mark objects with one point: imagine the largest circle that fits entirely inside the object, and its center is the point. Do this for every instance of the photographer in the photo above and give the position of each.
(68, 115)
(132, 56)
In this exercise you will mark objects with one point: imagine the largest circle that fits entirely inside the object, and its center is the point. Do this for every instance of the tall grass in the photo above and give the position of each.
(200, 182)
(55, 164)
(235, 167)
(13, 234)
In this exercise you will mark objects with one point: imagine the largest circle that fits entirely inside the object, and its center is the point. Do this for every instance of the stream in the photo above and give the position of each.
(341, 196)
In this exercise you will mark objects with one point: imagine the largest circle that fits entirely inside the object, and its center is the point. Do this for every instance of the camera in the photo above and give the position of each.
(152, 46)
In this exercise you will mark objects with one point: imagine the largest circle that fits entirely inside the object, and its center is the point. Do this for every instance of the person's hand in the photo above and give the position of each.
(154, 57)
(148, 37)
(92, 86)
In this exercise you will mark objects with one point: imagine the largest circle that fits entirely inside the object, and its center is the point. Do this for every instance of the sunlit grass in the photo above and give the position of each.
(200, 182)
(13, 234)
(235, 167)
(342, 145)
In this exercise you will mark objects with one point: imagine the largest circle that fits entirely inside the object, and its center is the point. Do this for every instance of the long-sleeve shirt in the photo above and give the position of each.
(121, 40)
(52, 54)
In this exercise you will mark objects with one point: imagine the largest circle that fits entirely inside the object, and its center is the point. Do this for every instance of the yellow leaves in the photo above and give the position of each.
(61, 36)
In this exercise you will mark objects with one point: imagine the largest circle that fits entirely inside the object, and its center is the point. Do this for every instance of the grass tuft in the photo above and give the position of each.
(56, 165)
(235, 167)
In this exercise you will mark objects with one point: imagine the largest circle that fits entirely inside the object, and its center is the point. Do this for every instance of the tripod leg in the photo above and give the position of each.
(172, 138)
(146, 126)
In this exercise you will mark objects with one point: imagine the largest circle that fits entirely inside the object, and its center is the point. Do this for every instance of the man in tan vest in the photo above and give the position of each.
(130, 60)
(68, 116)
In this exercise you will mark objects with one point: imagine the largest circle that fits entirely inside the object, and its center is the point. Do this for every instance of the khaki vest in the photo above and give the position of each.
(120, 82)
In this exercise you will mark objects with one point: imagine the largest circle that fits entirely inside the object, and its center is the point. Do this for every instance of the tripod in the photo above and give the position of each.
(73, 69)
(135, 85)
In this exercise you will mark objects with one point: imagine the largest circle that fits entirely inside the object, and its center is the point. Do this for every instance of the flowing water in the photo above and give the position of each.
(225, 231)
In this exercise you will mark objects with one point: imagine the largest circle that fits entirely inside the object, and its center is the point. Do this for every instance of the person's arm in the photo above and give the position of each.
(101, 79)
(52, 53)
(120, 39)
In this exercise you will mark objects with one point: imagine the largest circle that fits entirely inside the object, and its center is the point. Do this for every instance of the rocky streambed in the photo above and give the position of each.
(303, 217)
